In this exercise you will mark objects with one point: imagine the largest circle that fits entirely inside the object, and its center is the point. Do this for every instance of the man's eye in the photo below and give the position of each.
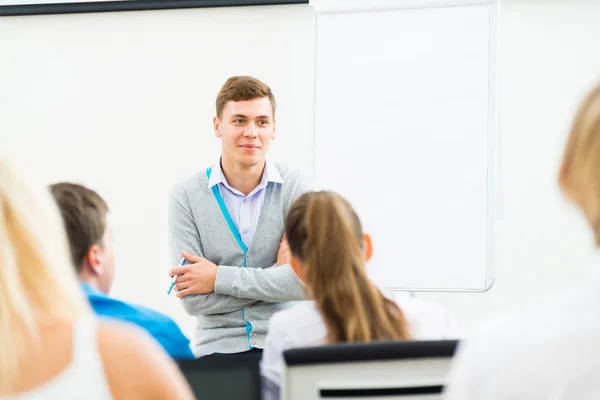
(239, 121)
(264, 122)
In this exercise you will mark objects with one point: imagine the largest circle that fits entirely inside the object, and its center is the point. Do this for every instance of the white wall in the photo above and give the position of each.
(549, 57)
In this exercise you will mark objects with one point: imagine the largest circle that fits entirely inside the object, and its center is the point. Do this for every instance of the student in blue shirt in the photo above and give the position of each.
(84, 215)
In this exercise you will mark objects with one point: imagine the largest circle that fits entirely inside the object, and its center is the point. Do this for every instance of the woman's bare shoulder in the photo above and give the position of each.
(136, 366)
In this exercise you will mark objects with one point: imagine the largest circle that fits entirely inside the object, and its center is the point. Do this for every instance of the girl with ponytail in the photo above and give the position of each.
(329, 254)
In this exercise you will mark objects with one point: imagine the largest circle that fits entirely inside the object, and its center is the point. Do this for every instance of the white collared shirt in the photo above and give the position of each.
(549, 350)
(244, 210)
(302, 325)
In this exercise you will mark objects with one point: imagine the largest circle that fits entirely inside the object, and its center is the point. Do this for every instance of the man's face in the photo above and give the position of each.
(106, 261)
(246, 129)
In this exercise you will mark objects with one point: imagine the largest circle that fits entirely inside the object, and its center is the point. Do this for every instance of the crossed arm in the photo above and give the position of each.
(206, 288)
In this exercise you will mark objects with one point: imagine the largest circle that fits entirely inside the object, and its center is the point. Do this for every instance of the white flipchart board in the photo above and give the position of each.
(405, 129)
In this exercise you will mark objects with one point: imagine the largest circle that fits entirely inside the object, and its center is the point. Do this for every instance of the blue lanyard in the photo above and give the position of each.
(234, 231)
(238, 238)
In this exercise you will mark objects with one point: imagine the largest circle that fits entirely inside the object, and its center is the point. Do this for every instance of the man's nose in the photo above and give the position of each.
(251, 131)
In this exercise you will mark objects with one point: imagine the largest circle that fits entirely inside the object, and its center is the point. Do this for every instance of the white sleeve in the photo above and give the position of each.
(272, 362)
(428, 320)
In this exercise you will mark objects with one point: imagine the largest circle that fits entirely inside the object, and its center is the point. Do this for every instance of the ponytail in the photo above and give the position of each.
(325, 234)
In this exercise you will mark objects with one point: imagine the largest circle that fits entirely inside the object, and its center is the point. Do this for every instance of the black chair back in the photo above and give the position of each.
(223, 377)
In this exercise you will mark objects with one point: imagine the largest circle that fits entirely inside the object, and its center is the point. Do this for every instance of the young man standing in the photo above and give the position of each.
(84, 214)
(227, 222)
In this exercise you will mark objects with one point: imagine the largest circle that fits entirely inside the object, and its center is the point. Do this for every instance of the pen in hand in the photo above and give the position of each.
(173, 280)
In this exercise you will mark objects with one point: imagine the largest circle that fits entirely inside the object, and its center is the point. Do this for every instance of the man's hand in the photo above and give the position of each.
(284, 255)
(198, 277)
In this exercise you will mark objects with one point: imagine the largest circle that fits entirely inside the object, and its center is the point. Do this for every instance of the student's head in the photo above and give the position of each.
(329, 253)
(36, 279)
(84, 214)
(245, 120)
(579, 176)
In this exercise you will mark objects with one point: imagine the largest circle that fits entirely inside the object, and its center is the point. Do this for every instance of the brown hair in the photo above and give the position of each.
(84, 216)
(325, 234)
(242, 88)
(579, 175)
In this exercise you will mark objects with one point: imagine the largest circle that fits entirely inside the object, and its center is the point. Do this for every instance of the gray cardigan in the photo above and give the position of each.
(235, 317)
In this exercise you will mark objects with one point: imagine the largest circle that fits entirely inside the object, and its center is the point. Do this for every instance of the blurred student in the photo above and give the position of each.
(84, 214)
(550, 349)
(51, 347)
(329, 253)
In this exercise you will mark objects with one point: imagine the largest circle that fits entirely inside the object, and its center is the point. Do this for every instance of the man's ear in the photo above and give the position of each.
(298, 268)
(93, 260)
(216, 125)
(368, 247)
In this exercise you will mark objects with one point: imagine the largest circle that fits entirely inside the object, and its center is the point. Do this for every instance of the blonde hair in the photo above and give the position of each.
(325, 234)
(579, 176)
(37, 280)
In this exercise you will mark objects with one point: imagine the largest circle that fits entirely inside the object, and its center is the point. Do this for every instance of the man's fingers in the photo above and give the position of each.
(179, 270)
(181, 286)
(183, 293)
(183, 278)
(190, 257)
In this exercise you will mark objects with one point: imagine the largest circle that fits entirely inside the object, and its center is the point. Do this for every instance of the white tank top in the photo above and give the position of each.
(83, 378)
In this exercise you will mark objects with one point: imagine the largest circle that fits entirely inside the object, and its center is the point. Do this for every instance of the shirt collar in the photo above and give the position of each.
(270, 174)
